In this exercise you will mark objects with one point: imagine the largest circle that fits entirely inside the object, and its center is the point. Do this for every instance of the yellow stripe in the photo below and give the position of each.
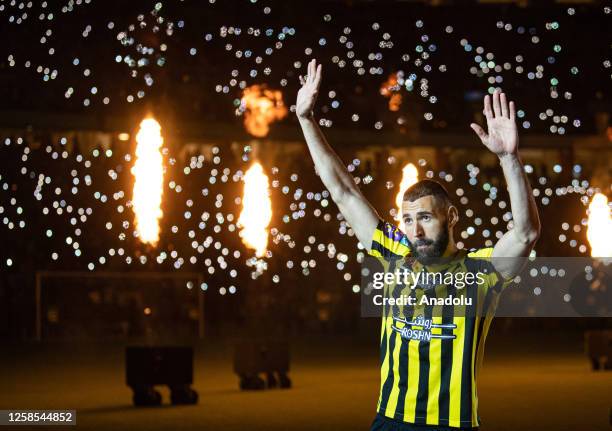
(393, 246)
(455, 381)
(384, 368)
(481, 253)
(375, 253)
(384, 310)
(435, 376)
(401, 249)
(413, 381)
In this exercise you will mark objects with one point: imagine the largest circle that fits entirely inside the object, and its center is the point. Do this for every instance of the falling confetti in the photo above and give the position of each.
(72, 190)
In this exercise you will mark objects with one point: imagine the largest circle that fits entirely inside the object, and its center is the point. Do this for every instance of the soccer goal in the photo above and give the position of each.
(118, 305)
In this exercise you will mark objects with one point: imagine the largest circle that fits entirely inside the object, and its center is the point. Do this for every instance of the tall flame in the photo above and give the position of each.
(390, 89)
(256, 210)
(148, 186)
(261, 107)
(599, 226)
(410, 175)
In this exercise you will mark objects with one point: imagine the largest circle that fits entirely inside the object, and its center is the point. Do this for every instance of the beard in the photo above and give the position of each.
(434, 248)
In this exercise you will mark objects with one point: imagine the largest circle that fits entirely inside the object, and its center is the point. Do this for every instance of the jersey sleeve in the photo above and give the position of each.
(389, 242)
(493, 278)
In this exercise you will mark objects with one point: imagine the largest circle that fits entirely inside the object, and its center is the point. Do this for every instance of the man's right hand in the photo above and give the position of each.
(307, 96)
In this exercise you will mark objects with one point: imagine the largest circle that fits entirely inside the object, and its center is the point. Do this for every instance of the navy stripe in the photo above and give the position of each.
(446, 364)
(403, 380)
(403, 365)
(383, 346)
(423, 390)
(386, 389)
(389, 233)
(384, 251)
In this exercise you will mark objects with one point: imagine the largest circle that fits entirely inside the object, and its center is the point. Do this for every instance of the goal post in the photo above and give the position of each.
(121, 283)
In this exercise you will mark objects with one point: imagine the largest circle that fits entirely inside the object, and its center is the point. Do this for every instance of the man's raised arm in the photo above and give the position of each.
(502, 139)
(357, 211)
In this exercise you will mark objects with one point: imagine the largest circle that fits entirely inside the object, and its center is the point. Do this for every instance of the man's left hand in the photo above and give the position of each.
(502, 135)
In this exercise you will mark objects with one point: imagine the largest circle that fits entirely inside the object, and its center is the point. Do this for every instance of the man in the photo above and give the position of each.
(429, 361)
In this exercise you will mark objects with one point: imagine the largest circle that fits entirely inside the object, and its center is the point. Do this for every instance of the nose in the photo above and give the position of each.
(417, 231)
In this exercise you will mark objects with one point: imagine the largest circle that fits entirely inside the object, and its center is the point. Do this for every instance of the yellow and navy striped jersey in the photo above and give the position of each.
(430, 355)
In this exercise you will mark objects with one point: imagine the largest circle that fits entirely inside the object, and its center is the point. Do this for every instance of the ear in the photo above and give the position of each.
(452, 215)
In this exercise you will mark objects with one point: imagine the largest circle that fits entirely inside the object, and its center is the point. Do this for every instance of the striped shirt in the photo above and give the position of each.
(430, 355)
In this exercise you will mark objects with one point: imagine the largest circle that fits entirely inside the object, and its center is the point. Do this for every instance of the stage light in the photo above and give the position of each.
(146, 367)
(254, 357)
(599, 349)
(390, 89)
(261, 106)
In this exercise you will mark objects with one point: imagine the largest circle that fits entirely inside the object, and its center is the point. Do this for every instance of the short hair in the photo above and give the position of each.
(427, 188)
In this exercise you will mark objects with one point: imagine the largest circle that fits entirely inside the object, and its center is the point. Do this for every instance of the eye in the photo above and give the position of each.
(426, 218)
(407, 221)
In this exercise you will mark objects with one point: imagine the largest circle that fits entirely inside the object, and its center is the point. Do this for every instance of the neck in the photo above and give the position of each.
(451, 249)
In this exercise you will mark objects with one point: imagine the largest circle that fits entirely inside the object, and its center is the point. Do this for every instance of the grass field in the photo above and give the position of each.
(529, 382)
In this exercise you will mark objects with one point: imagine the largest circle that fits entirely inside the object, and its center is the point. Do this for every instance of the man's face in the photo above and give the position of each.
(425, 224)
